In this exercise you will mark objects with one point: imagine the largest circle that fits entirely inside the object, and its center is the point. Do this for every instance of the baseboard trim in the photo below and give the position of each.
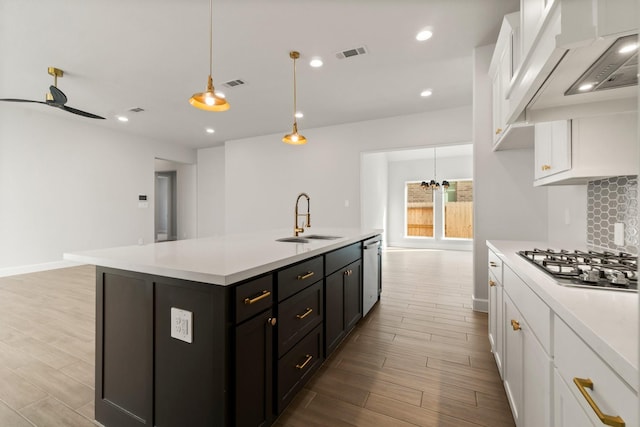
(33, 268)
(481, 305)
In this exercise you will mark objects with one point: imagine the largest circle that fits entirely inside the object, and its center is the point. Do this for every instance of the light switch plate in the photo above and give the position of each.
(182, 325)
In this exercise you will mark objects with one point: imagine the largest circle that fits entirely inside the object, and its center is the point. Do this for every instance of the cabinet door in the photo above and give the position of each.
(567, 411)
(254, 370)
(495, 320)
(334, 311)
(552, 143)
(497, 107)
(352, 294)
(536, 381)
(513, 358)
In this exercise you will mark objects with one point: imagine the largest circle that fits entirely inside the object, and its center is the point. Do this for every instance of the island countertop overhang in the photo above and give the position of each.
(221, 260)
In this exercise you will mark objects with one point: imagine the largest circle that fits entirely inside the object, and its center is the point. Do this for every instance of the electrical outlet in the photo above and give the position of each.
(618, 233)
(182, 325)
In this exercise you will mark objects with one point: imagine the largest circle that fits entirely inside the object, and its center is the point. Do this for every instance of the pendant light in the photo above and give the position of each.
(294, 138)
(208, 100)
(433, 184)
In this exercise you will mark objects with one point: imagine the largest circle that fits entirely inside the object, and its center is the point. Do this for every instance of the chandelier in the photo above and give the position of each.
(434, 184)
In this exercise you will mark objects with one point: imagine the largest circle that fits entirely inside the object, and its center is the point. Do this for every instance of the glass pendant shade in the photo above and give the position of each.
(208, 100)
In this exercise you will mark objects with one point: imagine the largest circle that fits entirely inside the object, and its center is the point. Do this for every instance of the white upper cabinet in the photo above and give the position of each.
(579, 150)
(504, 63)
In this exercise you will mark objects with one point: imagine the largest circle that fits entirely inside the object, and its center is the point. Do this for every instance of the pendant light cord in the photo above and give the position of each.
(210, 36)
(294, 91)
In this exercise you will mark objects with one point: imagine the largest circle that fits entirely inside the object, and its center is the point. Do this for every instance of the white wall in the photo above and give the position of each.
(211, 191)
(449, 168)
(507, 206)
(186, 195)
(263, 176)
(68, 184)
(374, 175)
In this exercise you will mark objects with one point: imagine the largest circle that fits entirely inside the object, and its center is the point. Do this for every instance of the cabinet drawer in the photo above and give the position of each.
(298, 315)
(575, 359)
(295, 278)
(495, 266)
(253, 297)
(343, 256)
(296, 367)
(493, 280)
(533, 309)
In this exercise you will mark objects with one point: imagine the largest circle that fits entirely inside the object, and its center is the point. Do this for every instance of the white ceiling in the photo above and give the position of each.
(154, 54)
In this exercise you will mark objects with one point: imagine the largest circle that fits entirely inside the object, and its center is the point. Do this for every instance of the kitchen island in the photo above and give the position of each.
(219, 331)
(562, 351)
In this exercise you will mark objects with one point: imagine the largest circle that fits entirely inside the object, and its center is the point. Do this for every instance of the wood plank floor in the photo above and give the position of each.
(421, 357)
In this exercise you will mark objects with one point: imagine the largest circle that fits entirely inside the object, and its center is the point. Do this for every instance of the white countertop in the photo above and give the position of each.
(221, 260)
(606, 320)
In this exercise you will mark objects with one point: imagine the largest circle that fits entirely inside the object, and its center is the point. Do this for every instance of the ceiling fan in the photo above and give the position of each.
(56, 98)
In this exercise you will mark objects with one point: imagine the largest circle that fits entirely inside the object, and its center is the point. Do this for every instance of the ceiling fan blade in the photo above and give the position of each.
(21, 100)
(58, 96)
(80, 112)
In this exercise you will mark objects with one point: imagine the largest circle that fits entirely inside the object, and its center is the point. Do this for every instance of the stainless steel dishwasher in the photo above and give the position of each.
(371, 278)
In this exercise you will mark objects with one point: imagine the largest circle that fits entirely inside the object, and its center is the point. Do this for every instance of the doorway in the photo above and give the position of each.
(166, 206)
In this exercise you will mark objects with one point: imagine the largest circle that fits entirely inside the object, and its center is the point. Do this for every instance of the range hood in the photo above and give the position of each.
(578, 44)
(616, 68)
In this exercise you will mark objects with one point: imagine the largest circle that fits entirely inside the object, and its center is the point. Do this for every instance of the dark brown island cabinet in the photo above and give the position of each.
(174, 353)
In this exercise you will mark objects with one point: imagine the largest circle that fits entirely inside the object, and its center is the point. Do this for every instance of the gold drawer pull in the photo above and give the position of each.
(492, 264)
(306, 276)
(305, 314)
(305, 363)
(492, 283)
(263, 295)
(272, 321)
(348, 272)
(546, 167)
(498, 131)
(515, 325)
(609, 420)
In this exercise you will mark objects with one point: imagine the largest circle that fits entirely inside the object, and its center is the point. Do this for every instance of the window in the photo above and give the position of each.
(419, 210)
(439, 213)
(458, 210)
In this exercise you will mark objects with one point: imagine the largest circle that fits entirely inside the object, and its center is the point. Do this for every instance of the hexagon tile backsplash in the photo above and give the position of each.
(610, 201)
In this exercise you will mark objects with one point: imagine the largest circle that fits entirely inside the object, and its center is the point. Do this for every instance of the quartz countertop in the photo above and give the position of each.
(221, 260)
(606, 320)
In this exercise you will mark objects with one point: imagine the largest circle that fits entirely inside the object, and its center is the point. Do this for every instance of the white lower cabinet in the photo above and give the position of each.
(566, 410)
(527, 370)
(607, 400)
(496, 327)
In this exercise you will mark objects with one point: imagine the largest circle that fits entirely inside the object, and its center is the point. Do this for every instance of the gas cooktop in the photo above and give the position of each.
(590, 269)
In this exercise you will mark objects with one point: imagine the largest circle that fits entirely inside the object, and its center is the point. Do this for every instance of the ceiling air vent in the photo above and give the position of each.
(136, 110)
(356, 51)
(234, 83)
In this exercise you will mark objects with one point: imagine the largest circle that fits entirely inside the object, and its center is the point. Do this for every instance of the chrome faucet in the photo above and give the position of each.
(296, 229)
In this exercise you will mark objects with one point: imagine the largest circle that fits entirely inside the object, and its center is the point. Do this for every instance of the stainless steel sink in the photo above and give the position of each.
(293, 240)
(323, 237)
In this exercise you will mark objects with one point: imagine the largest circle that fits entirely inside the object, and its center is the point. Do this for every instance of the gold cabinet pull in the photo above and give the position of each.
(272, 321)
(515, 325)
(609, 420)
(348, 272)
(306, 276)
(498, 131)
(305, 363)
(492, 283)
(305, 314)
(546, 167)
(492, 264)
(263, 295)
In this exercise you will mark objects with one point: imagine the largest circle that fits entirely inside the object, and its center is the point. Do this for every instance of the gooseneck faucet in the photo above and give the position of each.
(296, 229)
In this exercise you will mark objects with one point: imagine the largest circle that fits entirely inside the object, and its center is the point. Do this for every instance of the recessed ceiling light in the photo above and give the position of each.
(628, 48)
(426, 92)
(123, 119)
(299, 114)
(585, 87)
(316, 62)
(424, 35)
(209, 130)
